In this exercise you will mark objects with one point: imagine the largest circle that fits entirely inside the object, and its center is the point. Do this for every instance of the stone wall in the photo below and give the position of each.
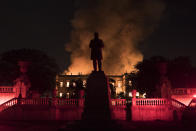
(44, 112)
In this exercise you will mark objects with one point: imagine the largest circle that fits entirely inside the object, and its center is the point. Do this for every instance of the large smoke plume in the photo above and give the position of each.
(122, 25)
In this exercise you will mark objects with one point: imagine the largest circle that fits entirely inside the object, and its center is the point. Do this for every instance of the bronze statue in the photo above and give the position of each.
(96, 46)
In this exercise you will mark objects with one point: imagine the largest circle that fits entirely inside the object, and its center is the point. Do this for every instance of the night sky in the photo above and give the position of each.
(46, 25)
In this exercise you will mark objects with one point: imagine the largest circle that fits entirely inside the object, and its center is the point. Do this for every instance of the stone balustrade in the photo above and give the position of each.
(114, 102)
(8, 104)
(6, 89)
(41, 101)
(118, 102)
(66, 101)
(142, 110)
(177, 104)
(151, 101)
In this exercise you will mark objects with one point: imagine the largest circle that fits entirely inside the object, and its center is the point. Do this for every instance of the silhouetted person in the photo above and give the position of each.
(96, 46)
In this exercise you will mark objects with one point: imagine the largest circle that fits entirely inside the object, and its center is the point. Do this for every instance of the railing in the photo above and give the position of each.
(118, 102)
(52, 101)
(151, 101)
(57, 101)
(80, 102)
(66, 101)
(6, 90)
(8, 104)
(40, 101)
(177, 104)
(183, 91)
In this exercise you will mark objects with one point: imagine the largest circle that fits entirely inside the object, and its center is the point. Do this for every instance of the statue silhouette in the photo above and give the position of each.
(96, 46)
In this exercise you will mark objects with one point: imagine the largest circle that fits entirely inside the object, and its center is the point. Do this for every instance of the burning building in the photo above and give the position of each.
(66, 83)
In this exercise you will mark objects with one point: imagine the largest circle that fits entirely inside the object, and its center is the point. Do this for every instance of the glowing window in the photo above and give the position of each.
(119, 84)
(74, 84)
(61, 84)
(130, 83)
(137, 93)
(84, 82)
(61, 94)
(130, 94)
(67, 96)
(67, 83)
(144, 95)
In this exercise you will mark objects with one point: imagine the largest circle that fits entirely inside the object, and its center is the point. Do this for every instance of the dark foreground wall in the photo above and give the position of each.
(44, 112)
(41, 112)
(35, 112)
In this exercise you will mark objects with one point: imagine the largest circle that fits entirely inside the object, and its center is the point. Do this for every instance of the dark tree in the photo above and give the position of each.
(192, 78)
(8, 73)
(79, 86)
(42, 70)
(147, 77)
(112, 88)
(179, 72)
(130, 86)
(121, 95)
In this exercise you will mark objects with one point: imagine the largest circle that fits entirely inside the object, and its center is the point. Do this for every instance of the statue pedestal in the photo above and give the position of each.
(97, 106)
(97, 102)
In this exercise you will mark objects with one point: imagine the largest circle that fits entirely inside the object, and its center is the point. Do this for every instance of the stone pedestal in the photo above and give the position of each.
(97, 102)
(97, 106)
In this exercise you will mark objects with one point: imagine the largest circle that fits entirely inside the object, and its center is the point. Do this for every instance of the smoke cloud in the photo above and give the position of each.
(122, 25)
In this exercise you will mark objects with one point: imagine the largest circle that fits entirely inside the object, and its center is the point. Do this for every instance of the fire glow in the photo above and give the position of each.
(121, 26)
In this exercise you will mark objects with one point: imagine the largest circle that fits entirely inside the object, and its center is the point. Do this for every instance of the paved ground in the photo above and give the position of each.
(70, 125)
(31, 125)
